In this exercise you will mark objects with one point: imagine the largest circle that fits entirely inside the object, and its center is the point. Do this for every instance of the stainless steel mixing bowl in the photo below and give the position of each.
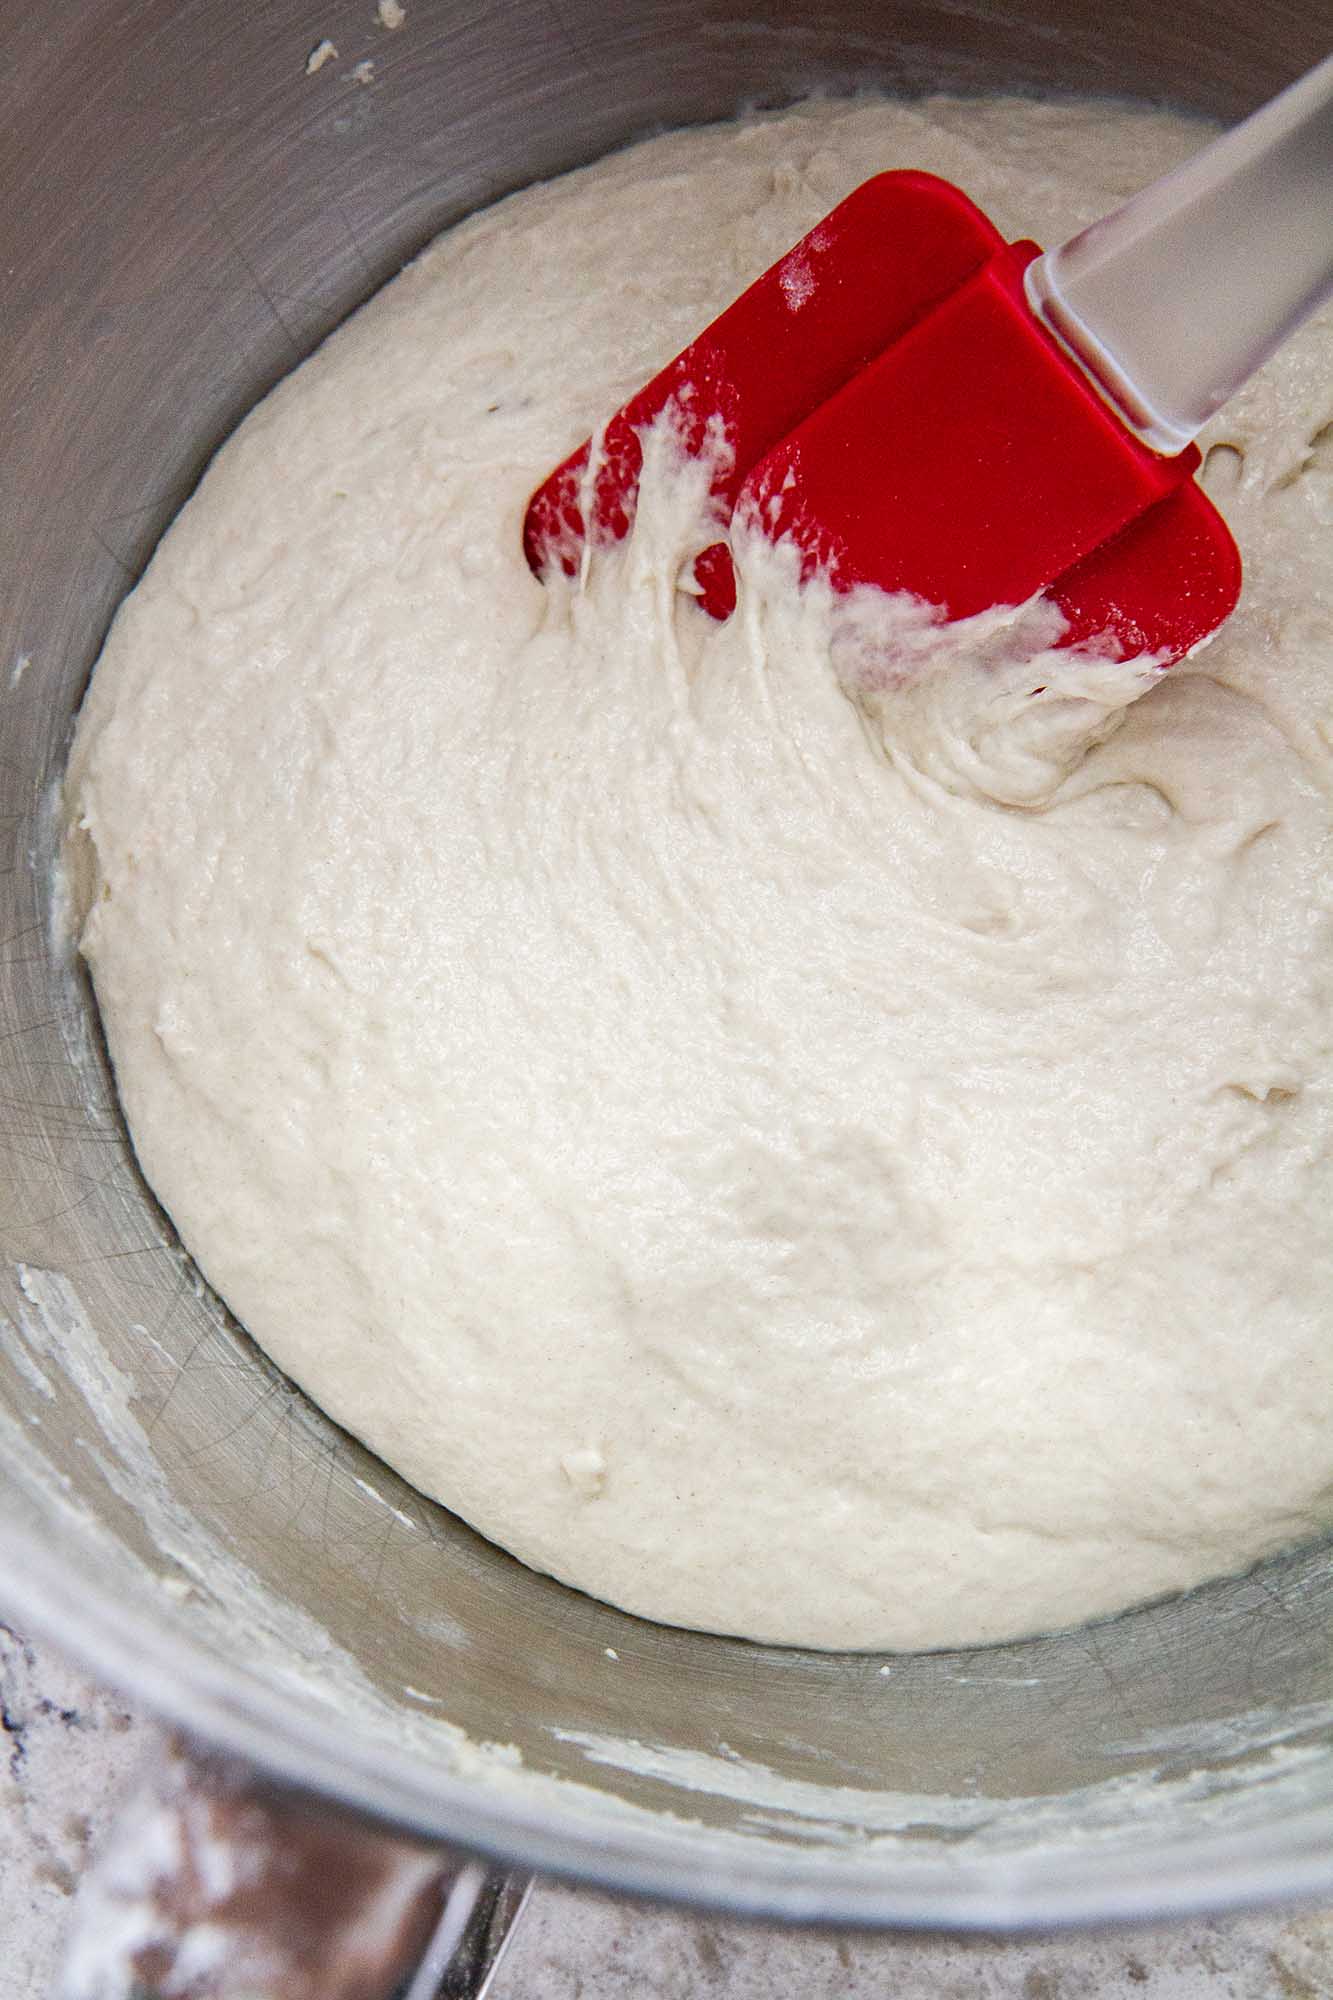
(186, 214)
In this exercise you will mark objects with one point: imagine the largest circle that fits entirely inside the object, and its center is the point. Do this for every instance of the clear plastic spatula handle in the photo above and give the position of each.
(1173, 301)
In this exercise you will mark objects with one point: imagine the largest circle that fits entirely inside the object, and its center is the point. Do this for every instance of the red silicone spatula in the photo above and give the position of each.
(921, 406)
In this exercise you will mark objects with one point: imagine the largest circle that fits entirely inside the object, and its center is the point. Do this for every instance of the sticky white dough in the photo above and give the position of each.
(777, 1124)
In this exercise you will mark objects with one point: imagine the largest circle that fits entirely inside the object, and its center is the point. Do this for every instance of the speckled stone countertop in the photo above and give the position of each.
(67, 1748)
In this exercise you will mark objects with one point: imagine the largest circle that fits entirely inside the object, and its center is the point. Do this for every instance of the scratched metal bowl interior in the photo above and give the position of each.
(186, 215)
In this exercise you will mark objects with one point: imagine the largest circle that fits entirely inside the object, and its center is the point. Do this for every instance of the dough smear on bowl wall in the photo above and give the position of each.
(777, 1123)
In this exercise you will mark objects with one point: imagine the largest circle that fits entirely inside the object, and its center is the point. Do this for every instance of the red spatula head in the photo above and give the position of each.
(895, 410)
(897, 246)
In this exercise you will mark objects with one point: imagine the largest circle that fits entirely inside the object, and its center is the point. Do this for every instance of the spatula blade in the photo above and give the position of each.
(896, 246)
(893, 407)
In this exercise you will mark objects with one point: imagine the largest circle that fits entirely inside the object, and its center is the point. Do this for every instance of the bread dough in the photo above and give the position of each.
(779, 1125)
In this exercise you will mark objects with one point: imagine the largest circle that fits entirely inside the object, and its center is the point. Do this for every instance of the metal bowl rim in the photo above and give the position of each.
(269, 1727)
